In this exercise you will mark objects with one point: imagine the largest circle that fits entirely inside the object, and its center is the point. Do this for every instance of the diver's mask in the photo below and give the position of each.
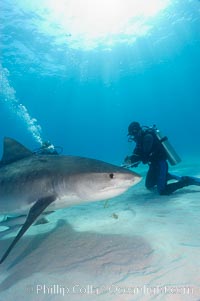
(134, 134)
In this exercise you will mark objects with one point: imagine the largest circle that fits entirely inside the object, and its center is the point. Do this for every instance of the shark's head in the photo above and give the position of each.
(101, 180)
(100, 186)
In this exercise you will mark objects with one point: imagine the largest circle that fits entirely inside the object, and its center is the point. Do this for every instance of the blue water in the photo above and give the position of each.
(84, 99)
(81, 93)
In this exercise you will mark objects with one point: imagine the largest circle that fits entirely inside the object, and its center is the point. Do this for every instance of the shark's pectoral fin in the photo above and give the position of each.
(34, 212)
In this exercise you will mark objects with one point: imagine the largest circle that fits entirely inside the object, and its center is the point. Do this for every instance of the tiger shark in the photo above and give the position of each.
(30, 183)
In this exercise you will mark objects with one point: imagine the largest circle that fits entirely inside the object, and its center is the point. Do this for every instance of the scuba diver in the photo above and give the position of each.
(48, 149)
(153, 149)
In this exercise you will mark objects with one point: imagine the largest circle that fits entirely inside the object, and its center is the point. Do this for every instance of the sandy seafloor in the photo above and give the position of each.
(138, 246)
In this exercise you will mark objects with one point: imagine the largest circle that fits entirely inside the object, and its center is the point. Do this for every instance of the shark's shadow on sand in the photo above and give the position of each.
(63, 250)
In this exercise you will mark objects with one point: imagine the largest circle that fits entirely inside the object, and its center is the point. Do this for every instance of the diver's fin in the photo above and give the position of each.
(34, 212)
(193, 180)
(190, 180)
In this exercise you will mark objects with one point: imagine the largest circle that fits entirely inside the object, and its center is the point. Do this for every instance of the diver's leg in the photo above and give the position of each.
(170, 188)
(151, 176)
(183, 182)
(162, 176)
(189, 179)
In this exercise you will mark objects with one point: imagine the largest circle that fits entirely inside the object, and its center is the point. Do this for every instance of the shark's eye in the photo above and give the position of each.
(111, 175)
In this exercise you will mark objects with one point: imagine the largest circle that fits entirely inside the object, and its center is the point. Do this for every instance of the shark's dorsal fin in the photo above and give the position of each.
(13, 151)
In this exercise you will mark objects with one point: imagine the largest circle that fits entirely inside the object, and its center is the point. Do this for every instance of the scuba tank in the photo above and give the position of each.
(172, 156)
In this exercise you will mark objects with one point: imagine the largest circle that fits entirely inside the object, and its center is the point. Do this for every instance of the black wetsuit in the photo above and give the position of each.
(149, 150)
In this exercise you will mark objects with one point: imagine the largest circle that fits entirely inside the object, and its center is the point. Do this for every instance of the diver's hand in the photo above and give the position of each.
(132, 161)
(127, 160)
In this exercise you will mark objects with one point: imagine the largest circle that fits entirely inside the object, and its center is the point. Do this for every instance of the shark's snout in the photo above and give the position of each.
(128, 179)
